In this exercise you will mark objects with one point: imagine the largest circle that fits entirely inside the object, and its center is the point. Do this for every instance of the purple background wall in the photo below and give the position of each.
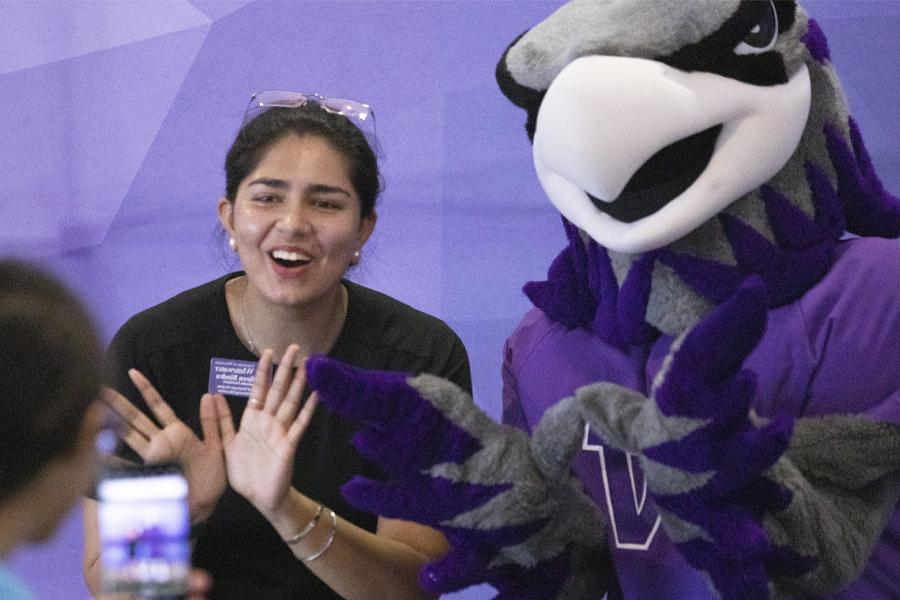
(116, 117)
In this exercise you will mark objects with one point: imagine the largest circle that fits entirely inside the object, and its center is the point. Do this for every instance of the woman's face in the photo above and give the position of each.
(296, 220)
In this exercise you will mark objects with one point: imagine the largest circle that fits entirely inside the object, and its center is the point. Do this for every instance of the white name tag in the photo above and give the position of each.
(231, 377)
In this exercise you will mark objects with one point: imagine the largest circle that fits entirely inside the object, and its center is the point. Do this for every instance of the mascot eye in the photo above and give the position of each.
(763, 35)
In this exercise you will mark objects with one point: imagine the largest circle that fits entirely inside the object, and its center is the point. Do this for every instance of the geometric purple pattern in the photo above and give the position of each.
(114, 141)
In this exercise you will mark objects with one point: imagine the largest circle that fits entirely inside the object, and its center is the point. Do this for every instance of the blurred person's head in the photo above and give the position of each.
(51, 370)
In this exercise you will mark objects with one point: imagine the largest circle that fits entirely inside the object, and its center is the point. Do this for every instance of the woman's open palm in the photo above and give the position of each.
(259, 455)
(201, 460)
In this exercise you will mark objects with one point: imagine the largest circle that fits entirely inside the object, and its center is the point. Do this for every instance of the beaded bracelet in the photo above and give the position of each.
(307, 529)
(330, 539)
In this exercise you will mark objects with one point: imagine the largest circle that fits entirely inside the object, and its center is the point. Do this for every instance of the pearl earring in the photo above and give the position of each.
(355, 260)
(232, 243)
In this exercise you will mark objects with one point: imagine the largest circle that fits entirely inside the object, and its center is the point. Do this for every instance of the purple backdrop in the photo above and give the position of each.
(117, 116)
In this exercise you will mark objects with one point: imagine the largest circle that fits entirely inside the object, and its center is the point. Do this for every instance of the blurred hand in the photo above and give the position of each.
(199, 585)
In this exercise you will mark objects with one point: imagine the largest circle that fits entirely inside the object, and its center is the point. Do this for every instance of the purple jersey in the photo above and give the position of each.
(836, 350)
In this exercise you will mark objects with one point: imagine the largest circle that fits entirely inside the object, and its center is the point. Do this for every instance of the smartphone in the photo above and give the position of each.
(144, 530)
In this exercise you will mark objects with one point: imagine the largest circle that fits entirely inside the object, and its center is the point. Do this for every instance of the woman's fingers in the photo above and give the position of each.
(261, 381)
(281, 381)
(209, 419)
(225, 423)
(300, 424)
(129, 413)
(160, 408)
(288, 409)
(136, 440)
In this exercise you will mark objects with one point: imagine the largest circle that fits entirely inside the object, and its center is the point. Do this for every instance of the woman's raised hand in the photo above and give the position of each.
(259, 456)
(201, 460)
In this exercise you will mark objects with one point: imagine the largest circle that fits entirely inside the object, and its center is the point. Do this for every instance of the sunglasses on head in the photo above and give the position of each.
(359, 114)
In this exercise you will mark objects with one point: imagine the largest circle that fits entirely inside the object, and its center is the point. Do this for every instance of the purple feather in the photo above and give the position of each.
(786, 562)
(633, 299)
(787, 273)
(403, 498)
(829, 212)
(454, 572)
(603, 284)
(388, 406)
(581, 291)
(713, 351)
(734, 580)
(710, 279)
(868, 207)
(565, 296)
(737, 457)
(752, 251)
(548, 579)
(793, 230)
(816, 43)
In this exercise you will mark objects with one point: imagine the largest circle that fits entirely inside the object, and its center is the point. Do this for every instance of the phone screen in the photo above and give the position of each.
(144, 530)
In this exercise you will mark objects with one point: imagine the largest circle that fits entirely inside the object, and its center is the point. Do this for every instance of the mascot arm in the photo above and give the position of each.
(844, 479)
(764, 508)
(513, 514)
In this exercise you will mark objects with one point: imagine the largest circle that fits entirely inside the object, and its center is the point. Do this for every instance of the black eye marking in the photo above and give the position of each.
(726, 51)
(763, 35)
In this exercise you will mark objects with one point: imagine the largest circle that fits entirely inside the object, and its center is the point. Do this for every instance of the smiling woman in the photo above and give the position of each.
(297, 224)
(299, 206)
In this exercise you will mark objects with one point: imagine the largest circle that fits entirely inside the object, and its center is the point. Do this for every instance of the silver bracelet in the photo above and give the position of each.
(330, 539)
(307, 529)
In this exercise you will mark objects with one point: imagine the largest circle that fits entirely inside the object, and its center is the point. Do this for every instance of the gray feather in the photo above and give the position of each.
(844, 473)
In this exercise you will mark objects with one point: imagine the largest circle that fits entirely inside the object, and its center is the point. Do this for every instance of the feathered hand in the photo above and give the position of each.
(704, 459)
(514, 516)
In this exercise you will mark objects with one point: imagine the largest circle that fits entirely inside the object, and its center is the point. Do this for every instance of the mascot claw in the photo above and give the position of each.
(453, 468)
(705, 461)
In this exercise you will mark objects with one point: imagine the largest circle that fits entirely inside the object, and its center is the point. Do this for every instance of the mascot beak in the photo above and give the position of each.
(638, 154)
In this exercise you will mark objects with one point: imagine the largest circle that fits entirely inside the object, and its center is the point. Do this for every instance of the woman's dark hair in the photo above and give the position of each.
(261, 133)
(51, 369)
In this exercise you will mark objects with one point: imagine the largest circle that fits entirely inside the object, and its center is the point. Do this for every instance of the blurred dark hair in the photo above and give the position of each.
(261, 133)
(51, 369)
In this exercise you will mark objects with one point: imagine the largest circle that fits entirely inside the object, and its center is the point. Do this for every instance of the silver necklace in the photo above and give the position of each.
(249, 337)
(244, 319)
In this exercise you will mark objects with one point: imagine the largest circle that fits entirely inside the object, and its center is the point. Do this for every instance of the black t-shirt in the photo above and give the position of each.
(173, 344)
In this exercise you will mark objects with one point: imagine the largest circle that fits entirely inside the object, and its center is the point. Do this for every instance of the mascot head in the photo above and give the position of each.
(694, 143)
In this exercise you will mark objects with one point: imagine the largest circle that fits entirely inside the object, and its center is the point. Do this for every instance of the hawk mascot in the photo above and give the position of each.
(704, 401)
